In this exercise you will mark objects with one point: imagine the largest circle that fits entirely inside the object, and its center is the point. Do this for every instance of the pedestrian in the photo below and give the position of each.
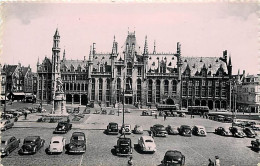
(211, 163)
(156, 116)
(130, 161)
(25, 115)
(164, 117)
(68, 119)
(217, 161)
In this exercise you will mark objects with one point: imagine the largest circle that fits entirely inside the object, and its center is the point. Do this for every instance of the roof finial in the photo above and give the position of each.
(145, 46)
(154, 51)
(128, 30)
(64, 54)
(229, 61)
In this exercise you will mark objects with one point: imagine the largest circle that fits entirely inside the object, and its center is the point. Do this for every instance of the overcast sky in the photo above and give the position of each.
(204, 29)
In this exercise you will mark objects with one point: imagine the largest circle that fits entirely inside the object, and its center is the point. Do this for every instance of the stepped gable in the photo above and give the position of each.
(75, 63)
(212, 64)
(10, 69)
(101, 58)
(169, 59)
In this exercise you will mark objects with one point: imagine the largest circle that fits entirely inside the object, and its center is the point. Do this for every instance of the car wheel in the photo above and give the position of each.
(7, 152)
(34, 150)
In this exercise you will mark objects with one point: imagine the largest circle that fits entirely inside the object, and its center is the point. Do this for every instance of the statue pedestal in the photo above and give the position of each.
(59, 104)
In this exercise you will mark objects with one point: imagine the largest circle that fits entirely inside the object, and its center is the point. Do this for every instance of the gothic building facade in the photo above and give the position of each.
(134, 74)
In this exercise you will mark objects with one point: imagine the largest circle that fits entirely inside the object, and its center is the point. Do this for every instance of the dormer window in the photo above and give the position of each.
(203, 73)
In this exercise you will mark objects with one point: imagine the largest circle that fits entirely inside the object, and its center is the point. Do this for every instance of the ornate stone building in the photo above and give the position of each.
(146, 78)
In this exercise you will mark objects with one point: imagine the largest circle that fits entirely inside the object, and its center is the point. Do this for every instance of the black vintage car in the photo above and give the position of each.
(31, 145)
(255, 144)
(185, 130)
(8, 144)
(158, 130)
(124, 147)
(112, 128)
(237, 132)
(249, 132)
(173, 158)
(77, 143)
(63, 127)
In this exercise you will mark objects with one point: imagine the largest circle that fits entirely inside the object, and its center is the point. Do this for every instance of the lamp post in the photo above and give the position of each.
(5, 96)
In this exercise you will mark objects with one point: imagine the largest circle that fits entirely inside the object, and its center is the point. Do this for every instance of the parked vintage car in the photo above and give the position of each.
(185, 130)
(182, 114)
(31, 145)
(249, 132)
(224, 131)
(152, 113)
(111, 112)
(237, 132)
(112, 128)
(6, 124)
(199, 131)
(104, 112)
(145, 113)
(124, 147)
(57, 145)
(255, 144)
(86, 111)
(158, 130)
(239, 123)
(256, 127)
(63, 127)
(76, 110)
(8, 144)
(126, 129)
(228, 119)
(138, 129)
(147, 144)
(172, 130)
(220, 118)
(77, 143)
(173, 158)
(127, 110)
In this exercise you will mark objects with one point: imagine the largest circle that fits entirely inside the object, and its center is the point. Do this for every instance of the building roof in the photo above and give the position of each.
(168, 59)
(10, 69)
(100, 58)
(75, 63)
(212, 64)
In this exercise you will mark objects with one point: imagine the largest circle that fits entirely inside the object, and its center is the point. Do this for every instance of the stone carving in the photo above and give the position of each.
(59, 85)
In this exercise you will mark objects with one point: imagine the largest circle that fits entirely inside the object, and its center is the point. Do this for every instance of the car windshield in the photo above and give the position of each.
(113, 126)
(79, 138)
(55, 142)
(148, 140)
(4, 142)
(28, 142)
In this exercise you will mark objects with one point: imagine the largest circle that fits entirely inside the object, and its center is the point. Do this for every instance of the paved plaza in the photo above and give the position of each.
(197, 150)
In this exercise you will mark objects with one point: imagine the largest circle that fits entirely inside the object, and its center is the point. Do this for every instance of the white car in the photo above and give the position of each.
(126, 129)
(199, 131)
(57, 144)
(146, 144)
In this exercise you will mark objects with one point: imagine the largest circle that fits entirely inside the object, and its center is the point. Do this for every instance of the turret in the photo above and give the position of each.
(154, 50)
(145, 55)
(179, 60)
(90, 62)
(229, 67)
(64, 55)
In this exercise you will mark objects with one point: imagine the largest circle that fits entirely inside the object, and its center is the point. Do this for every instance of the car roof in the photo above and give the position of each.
(126, 139)
(113, 123)
(199, 126)
(77, 133)
(185, 126)
(173, 153)
(56, 138)
(5, 138)
(159, 125)
(145, 137)
(31, 138)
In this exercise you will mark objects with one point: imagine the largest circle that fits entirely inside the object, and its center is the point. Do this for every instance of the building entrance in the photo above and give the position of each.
(128, 100)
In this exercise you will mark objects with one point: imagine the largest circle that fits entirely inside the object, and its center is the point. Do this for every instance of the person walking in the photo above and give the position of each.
(164, 117)
(211, 163)
(217, 161)
(130, 161)
(25, 115)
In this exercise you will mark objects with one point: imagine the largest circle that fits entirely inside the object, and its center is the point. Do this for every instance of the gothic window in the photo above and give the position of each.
(128, 84)
(72, 68)
(203, 91)
(139, 73)
(203, 73)
(209, 83)
(197, 88)
(158, 82)
(93, 89)
(67, 86)
(101, 68)
(100, 88)
(119, 70)
(118, 88)
(71, 86)
(75, 86)
(217, 91)
(210, 91)
(174, 86)
(184, 88)
(216, 83)
(166, 87)
(190, 88)
(223, 92)
(139, 90)
(129, 68)
(108, 90)
(86, 87)
(150, 90)
(82, 87)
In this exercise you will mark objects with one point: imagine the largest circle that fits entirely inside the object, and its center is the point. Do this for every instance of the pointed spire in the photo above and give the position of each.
(57, 32)
(38, 61)
(204, 66)
(145, 46)
(229, 61)
(154, 48)
(114, 48)
(238, 72)
(64, 54)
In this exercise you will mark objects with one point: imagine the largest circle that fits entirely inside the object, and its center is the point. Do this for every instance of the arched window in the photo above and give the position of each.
(100, 88)
(118, 89)
(150, 90)
(108, 90)
(139, 89)
(174, 87)
(82, 87)
(86, 87)
(75, 86)
(67, 86)
(71, 86)
(128, 84)
(93, 89)
(78, 87)
(166, 87)
(158, 82)
(129, 68)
